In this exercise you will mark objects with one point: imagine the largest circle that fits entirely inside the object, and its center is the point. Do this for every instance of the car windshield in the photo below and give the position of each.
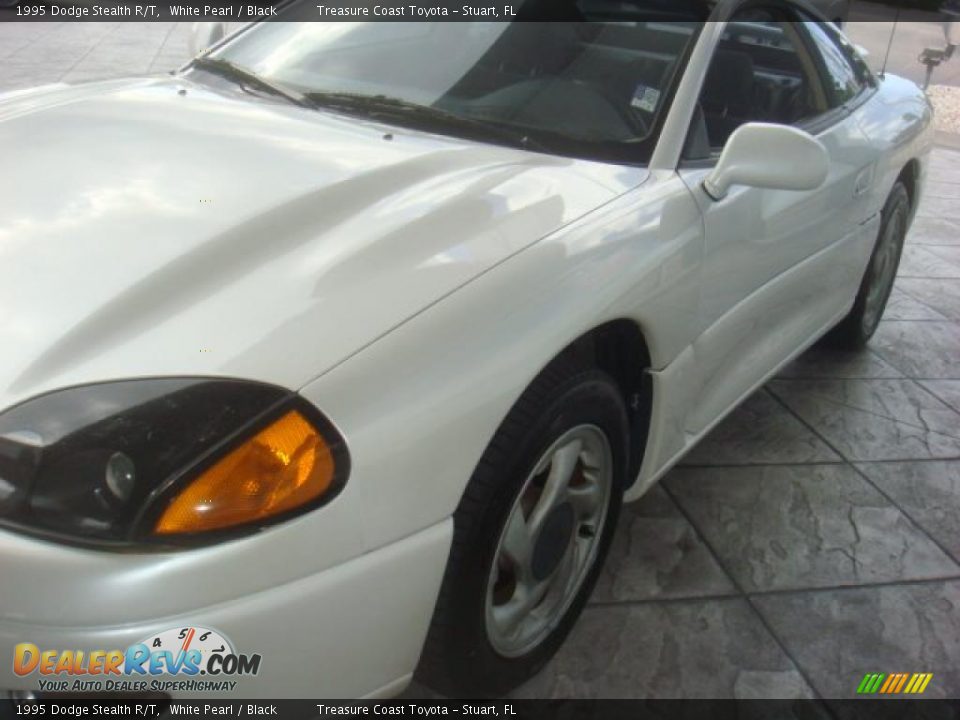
(594, 88)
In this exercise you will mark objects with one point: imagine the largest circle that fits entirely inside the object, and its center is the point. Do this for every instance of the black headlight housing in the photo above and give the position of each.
(96, 464)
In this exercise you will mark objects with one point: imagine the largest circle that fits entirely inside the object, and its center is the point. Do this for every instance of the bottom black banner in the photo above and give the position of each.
(507, 709)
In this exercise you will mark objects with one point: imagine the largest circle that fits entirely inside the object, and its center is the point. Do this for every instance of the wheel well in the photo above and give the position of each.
(910, 177)
(620, 350)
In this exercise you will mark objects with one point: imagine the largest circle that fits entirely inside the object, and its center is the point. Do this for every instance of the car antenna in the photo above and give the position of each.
(893, 32)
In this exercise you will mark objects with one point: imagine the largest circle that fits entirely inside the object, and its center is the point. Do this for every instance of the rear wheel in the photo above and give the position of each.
(530, 535)
(856, 329)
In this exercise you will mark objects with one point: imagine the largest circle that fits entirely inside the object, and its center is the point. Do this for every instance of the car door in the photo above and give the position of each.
(780, 267)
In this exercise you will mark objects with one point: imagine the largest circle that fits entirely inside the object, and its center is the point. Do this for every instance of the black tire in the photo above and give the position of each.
(458, 658)
(856, 329)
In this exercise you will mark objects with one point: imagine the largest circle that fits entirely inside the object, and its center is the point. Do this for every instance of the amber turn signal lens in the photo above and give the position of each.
(282, 467)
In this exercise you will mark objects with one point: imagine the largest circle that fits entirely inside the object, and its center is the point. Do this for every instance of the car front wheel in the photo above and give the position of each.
(530, 535)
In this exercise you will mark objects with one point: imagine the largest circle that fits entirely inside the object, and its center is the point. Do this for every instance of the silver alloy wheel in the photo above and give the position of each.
(883, 272)
(550, 541)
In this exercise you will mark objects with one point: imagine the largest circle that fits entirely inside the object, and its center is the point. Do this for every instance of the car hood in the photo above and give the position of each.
(163, 227)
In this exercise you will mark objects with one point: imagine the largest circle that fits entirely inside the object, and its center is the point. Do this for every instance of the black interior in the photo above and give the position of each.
(756, 76)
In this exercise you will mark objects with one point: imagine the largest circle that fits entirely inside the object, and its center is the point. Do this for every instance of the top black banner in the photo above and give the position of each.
(304, 10)
(353, 10)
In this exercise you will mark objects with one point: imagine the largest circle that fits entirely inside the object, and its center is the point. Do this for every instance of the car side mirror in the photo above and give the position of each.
(763, 155)
(204, 35)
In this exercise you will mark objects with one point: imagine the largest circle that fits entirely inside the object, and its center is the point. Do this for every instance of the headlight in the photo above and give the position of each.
(173, 460)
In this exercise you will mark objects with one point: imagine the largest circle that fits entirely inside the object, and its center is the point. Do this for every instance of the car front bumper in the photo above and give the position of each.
(353, 630)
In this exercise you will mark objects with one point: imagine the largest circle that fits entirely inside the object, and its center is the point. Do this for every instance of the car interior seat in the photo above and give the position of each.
(728, 95)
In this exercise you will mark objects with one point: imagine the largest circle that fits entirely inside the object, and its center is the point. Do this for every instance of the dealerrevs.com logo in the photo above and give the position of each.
(191, 659)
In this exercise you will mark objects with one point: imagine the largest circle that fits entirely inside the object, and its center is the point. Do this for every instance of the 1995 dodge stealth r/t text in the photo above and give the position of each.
(337, 351)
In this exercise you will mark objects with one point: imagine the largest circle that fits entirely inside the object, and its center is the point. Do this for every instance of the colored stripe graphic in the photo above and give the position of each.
(891, 679)
(894, 683)
(870, 683)
(918, 683)
(903, 681)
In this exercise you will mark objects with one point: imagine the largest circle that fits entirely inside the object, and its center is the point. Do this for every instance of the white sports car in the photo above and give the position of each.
(342, 346)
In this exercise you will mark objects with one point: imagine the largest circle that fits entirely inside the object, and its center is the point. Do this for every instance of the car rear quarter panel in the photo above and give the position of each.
(898, 119)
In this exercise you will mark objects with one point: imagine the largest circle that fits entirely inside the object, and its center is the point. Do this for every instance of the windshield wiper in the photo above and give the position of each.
(241, 75)
(385, 107)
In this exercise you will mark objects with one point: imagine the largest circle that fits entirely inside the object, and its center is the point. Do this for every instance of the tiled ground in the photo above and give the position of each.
(813, 537)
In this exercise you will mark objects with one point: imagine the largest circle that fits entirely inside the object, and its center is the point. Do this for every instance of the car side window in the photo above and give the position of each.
(762, 71)
(844, 80)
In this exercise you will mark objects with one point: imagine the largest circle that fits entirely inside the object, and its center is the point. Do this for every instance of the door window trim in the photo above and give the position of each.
(867, 80)
(869, 86)
(817, 125)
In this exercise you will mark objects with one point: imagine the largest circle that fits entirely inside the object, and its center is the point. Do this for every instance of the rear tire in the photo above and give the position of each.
(524, 526)
(856, 329)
